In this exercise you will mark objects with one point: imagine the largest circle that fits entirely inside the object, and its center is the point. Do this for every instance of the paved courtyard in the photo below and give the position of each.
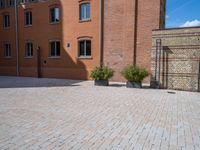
(63, 114)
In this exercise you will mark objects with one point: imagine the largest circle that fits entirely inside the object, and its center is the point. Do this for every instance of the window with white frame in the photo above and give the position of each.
(54, 48)
(54, 15)
(84, 11)
(7, 50)
(28, 18)
(84, 48)
(6, 21)
(29, 49)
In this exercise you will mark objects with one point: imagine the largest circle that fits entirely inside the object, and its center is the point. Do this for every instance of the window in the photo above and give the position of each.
(28, 18)
(7, 50)
(84, 48)
(27, 1)
(6, 21)
(2, 3)
(29, 49)
(11, 3)
(32, 1)
(23, 1)
(85, 11)
(54, 15)
(55, 49)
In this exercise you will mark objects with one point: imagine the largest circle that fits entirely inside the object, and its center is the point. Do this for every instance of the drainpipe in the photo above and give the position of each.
(101, 31)
(17, 38)
(135, 34)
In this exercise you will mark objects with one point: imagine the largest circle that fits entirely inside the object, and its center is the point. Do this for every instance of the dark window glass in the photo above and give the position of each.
(7, 50)
(28, 18)
(88, 48)
(29, 50)
(6, 21)
(55, 49)
(55, 15)
(85, 48)
(2, 3)
(10, 3)
(82, 48)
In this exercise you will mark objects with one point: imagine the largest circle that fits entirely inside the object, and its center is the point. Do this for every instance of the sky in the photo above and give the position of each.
(182, 13)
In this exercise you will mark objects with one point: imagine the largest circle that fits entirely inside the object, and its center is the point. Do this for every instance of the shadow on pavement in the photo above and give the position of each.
(21, 82)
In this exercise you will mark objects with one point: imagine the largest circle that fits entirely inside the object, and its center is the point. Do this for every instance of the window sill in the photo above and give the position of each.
(54, 23)
(7, 57)
(6, 28)
(85, 57)
(28, 57)
(27, 26)
(85, 20)
(54, 57)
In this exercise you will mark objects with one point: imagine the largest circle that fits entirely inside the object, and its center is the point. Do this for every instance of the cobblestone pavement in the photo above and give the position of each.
(64, 114)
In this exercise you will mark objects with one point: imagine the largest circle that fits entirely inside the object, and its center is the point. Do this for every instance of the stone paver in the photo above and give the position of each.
(47, 114)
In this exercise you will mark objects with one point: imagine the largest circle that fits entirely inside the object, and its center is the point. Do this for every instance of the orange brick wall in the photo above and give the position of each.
(118, 40)
(119, 20)
(41, 32)
(119, 32)
(7, 65)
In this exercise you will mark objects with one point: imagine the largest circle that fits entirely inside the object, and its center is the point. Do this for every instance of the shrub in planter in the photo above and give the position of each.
(134, 76)
(101, 75)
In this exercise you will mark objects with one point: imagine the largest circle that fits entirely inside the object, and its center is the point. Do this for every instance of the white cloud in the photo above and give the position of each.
(167, 17)
(193, 23)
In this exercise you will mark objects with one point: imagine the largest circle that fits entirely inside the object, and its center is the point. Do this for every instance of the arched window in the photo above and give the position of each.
(85, 11)
(55, 48)
(84, 48)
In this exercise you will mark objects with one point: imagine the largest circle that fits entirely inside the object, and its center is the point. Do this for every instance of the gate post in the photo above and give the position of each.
(199, 78)
(156, 80)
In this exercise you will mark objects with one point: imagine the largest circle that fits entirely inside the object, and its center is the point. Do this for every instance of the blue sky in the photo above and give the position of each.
(183, 13)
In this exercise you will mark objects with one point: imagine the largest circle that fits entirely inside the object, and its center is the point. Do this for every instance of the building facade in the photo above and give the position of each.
(68, 38)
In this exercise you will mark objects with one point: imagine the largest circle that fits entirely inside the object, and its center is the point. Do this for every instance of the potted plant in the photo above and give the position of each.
(101, 75)
(134, 76)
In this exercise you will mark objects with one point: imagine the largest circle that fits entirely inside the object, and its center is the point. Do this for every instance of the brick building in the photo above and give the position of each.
(68, 38)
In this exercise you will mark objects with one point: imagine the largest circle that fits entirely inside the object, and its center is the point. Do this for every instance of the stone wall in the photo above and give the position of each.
(178, 58)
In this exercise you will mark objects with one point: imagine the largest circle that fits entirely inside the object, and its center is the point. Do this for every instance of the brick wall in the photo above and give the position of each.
(121, 38)
(68, 30)
(127, 37)
(180, 58)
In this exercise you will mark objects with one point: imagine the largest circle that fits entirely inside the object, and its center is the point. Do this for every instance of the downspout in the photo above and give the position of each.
(135, 34)
(17, 38)
(101, 32)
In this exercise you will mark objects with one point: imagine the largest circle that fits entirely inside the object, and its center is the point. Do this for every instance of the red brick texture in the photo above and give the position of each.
(68, 30)
(118, 40)
(119, 33)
